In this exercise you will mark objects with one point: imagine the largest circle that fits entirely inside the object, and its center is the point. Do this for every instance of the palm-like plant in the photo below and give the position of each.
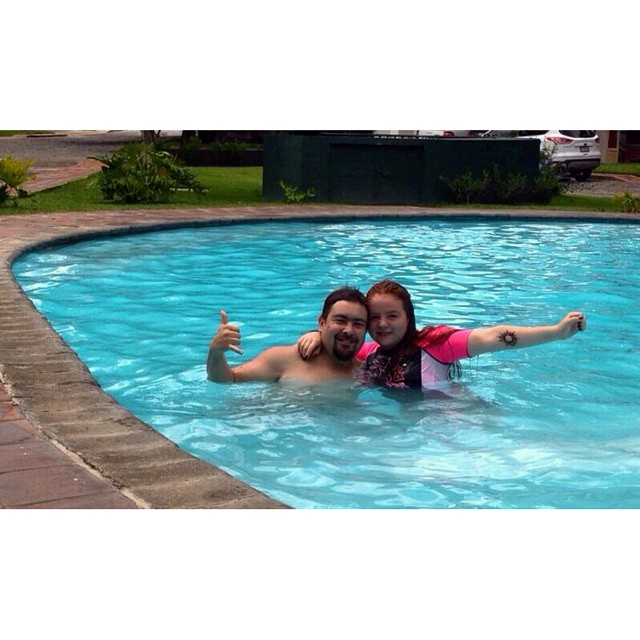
(140, 173)
(13, 174)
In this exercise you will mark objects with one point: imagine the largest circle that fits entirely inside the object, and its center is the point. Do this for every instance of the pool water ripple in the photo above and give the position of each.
(554, 426)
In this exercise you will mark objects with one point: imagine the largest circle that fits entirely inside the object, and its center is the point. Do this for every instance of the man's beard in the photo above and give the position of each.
(346, 354)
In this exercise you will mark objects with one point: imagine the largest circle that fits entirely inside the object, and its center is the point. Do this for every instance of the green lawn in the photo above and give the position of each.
(15, 133)
(583, 203)
(230, 186)
(620, 167)
(567, 202)
(225, 186)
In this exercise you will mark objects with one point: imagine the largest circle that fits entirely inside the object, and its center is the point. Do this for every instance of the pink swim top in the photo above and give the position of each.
(423, 367)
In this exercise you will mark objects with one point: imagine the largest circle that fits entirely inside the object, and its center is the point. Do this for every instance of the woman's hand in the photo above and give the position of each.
(571, 323)
(309, 345)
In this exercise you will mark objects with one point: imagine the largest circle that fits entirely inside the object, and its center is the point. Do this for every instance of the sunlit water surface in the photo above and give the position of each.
(553, 426)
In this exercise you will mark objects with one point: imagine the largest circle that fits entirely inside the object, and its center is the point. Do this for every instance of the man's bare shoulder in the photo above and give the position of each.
(270, 364)
(284, 352)
(286, 360)
(279, 358)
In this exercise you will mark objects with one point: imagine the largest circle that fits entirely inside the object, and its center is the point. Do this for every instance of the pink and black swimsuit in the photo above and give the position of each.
(422, 367)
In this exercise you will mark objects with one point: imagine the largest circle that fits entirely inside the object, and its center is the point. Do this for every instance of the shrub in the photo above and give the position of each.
(293, 194)
(549, 182)
(495, 186)
(492, 187)
(138, 172)
(13, 174)
(466, 187)
(627, 202)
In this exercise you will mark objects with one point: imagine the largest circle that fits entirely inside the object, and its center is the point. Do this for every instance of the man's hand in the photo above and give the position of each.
(227, 335)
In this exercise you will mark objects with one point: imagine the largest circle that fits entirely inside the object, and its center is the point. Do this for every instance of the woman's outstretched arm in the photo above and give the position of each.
(506, 336)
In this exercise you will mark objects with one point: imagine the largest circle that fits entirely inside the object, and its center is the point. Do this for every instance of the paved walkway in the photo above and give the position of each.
(36, 472)
(49, 177)
(79, 448)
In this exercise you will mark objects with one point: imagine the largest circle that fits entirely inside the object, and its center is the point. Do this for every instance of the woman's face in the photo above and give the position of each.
(388, 322)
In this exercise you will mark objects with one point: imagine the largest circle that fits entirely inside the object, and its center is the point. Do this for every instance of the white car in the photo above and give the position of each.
(576, 151)
(429, 133)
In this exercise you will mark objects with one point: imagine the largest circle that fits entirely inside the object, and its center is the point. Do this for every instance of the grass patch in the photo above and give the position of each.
(6, 134)
(582, 202)
(237, 186)
(632, 168)
(225, 186)
(563, 202)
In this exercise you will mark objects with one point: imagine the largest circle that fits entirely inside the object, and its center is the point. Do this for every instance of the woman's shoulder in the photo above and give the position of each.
(367, 349)
(445, 341)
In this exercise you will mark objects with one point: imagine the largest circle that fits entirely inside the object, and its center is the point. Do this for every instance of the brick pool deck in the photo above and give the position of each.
(64, 443)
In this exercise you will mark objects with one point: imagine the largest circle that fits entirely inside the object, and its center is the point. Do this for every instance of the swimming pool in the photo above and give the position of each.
(553, 426)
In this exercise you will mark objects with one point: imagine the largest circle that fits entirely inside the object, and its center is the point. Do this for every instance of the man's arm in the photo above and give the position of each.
(227, 336)
(268, 365)
(504, 336)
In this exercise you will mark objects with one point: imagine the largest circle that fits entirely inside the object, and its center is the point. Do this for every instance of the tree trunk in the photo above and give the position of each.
(149, 137)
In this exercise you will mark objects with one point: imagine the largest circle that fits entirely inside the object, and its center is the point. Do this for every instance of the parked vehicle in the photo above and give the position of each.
(576, 151)
(435, 132)
(463, 133)
(629, 146)
(466, 133)
(431, 132)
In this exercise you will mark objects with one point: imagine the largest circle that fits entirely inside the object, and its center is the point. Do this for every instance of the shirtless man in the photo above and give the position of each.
(342, 325)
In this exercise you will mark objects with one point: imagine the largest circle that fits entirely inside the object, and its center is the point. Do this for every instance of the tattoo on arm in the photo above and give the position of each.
(509, 338)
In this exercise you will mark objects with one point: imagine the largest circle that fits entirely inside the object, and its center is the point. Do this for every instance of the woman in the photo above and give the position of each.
(403, 356)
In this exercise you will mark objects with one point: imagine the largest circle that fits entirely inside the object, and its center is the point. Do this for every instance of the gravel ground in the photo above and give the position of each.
(66, 148)
(607, 185)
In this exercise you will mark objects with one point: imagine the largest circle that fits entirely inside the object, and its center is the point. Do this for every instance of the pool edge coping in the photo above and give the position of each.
(129, 454)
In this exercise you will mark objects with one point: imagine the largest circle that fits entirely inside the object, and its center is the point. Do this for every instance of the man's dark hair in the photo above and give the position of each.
(348, 294)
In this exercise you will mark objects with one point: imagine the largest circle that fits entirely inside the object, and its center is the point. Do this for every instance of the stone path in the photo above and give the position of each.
(35, 473)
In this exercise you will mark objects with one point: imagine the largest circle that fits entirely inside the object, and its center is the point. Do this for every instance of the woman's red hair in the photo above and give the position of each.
(428, 336)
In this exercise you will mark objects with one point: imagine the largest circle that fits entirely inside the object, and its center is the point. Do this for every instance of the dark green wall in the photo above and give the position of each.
(386, 170)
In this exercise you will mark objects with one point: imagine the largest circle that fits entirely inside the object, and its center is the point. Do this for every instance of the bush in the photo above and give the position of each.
(627, 202)
(492, 187)
(497, 187)
(293, 194)
(138, 172)
(13, 173)
(550, 181)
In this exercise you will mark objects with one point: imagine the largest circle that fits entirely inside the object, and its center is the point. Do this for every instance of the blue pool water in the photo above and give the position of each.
(552, 426)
